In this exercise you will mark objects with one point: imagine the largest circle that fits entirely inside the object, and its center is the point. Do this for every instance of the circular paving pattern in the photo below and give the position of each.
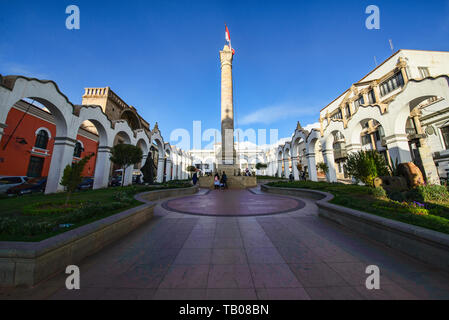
(233, 203)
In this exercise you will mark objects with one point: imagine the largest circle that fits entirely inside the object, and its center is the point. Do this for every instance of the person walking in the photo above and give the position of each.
(224, 179)
(195, 178)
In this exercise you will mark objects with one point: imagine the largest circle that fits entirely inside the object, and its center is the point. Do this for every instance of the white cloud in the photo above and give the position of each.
(311, 126)
(273, 114)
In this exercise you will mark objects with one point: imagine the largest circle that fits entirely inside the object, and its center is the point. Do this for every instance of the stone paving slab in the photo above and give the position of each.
(294, 256)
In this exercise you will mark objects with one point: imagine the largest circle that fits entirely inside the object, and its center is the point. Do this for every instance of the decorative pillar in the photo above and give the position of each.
(175, 168)
(295, 168)
(168, 174)
(280, 168)
(160, 170)
(61, 157)
(399, 148)
(425, 153)
(286, 168)
(102, 167)
(311, 164)
(330, 161)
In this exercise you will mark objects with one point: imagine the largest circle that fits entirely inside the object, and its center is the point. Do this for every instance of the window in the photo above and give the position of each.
(35, 167)
(348, 111)
(78, 150)
(371, 97)
(366, 139)
(337, 116)
(41, 140)
(359, 102)
(424, 72)
(445, 134)
(391, 84)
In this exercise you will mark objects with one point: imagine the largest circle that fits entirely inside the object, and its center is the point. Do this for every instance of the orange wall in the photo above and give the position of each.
(14, 160)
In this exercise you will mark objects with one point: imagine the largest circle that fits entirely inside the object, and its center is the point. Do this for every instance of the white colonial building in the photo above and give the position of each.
(400, 109)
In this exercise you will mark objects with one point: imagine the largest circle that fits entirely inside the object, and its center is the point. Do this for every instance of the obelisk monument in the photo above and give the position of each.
(228, 155)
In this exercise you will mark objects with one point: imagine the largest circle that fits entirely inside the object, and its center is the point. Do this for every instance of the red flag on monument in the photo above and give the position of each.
(228, 39)
(227, 35)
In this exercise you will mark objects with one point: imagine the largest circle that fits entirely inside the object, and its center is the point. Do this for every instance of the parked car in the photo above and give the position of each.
(31, 186)
(116, 181)
(9, 182)
(86, 184)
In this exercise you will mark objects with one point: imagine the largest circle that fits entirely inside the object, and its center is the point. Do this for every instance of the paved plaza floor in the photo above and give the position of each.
(296, 255)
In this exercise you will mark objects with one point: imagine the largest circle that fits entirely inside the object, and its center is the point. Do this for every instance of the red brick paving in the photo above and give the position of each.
(233, 203)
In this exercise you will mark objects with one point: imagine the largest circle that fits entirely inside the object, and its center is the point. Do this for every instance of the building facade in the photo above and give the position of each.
(41, 132)
(400, 109)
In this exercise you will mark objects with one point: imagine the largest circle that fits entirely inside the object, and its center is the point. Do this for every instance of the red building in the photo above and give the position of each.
(27, 145)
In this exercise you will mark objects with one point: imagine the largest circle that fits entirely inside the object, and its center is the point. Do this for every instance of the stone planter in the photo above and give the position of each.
(429, 246)
(28, 263)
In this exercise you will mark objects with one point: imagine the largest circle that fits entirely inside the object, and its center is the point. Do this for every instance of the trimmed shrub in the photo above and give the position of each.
(379, 192)
(365, 166)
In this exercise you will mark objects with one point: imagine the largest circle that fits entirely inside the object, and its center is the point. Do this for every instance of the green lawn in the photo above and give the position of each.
(362, 198)
(16, 224)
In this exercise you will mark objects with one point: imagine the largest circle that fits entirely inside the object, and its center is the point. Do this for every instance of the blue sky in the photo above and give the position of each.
(292, 57)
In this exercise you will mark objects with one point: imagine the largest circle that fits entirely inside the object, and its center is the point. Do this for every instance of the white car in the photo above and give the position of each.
(9, 182)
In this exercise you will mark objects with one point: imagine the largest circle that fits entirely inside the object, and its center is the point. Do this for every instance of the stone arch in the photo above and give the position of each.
(131, 117)
(47, 93)
(415, 92)
(106, 134)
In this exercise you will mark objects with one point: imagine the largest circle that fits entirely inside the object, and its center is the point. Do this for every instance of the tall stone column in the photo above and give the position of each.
(311, 165)
(61, 157)
(168, 170)
(279, 168)
(228, 154)
(175, 169)
(286, 168)
(295, 168)
(180, 168)
(330, 161)
(160, 170)
(102, 167)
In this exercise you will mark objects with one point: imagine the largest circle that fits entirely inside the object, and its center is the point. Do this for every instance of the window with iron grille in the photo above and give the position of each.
(41, 140)
(391, 84)
(359, 102)
(371, 97)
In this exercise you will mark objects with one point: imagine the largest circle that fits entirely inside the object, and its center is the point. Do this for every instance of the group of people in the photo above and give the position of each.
(221, 183)
(302, 176)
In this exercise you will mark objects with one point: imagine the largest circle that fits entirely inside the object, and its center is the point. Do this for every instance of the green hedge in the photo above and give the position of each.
(434, 215)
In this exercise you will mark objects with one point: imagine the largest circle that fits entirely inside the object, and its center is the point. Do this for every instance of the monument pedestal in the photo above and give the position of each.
(230, 169)
(234, 182)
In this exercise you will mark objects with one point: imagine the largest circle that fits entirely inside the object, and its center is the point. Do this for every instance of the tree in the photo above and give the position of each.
(149, 170)
(323, 167)
(72, 178)
(366, 166)
(125, 155)
(260, 166)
